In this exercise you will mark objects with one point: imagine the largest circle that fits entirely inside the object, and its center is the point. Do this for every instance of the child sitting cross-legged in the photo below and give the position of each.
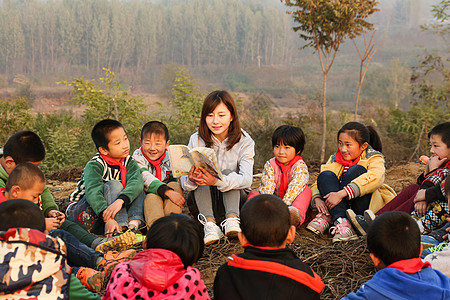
(266, 269)
(393, 240)
(173, 244)
(286, 175)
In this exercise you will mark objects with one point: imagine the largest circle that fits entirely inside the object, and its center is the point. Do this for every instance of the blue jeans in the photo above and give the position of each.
(78, 254)
(328, 182)
(82, 213)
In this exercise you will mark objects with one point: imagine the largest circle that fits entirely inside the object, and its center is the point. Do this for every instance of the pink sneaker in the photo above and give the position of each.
(320, 223)
(343, 231)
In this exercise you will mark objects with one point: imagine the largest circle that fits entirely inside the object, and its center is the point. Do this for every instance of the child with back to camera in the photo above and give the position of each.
(351, 179)
(173, 244)
(266, 269)
(220, 129)
(393, 241)
(286, 175)
(164, 193)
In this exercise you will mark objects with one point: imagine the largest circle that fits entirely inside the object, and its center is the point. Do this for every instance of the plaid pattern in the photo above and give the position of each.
(435, 217)
(438, 178)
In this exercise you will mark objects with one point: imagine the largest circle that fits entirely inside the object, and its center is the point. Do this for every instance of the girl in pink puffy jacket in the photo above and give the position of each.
(164, 269)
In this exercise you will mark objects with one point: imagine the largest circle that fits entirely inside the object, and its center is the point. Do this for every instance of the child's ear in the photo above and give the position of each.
(377, 262)
(167, 143)
(10, 164)
(291, 235)
(364, 146)
(14, 192)
(103, 151)
(242, 239)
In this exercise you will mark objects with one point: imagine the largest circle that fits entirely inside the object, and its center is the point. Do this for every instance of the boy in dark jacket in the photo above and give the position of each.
(394, 244)
(266, 269)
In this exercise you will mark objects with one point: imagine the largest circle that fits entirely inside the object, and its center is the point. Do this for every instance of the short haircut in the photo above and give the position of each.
(20, 213)
(24, 146)
(443, 130)
(25, 175)
(155, 127)
(180, 234)
(101, 131)
(394, 236)
(290, 136)
(265, 221)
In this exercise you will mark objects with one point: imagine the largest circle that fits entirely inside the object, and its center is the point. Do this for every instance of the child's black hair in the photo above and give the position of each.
(290, 136)
(362, 134)
(447, 187)
(443, 130)
(25, 175)
(178, 233)
(265, 221)
(155, 127)
(394, 236)
(24, 146)
(101, 131)
(22, 214)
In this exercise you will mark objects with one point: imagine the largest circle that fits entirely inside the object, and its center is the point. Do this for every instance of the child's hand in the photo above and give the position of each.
(111, 226)
(334, 198)
(420, 196)
(434, 162)
(176, 198)
(111, 211)
(206, 178)
(51, 223)
(194, 175)
(321, 206)
(57, 214)
(421, 207)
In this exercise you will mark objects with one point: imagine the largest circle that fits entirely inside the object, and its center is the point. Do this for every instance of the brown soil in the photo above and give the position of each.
(343, 267)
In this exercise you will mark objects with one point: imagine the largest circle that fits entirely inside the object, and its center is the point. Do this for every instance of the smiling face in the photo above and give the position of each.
(154, 145)
(349, 147)
(118, 145)
(218, 121)
(284, 153)
(438, 147)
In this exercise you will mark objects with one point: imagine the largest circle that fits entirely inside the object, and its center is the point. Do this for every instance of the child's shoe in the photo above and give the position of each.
(231, 227)
(91, 279)
(428, 241)
(439, 247)
(342, 231)
(358, 222)
(127, 238)
(112, 258)
(369, 216)
(320, 223)
(212, 231)
(419, 223)
(295, 216)
(438, 234)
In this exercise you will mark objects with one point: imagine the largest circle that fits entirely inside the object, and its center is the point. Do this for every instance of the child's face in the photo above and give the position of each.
(219, 121)
(32, 194)
(438, 147)
(154, 145)
(118, 146)
(349, 147)
(284, 153)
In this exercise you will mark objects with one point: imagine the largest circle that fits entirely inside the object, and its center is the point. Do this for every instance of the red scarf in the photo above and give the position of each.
(284, 181)
(123, 169)
(155, 163)
(346, 163)
(412, 265)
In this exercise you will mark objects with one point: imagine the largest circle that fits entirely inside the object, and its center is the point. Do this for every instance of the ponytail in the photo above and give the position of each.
(375, 140)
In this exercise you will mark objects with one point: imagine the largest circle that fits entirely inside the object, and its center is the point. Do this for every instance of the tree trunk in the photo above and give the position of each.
(324, 117)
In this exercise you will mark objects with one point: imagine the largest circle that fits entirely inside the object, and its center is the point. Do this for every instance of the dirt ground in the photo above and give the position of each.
(343, 267)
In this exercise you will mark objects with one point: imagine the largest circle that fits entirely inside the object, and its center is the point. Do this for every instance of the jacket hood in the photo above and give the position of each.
(157, 268)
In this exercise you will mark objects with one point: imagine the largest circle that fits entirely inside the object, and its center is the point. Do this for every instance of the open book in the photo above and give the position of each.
(182, 159)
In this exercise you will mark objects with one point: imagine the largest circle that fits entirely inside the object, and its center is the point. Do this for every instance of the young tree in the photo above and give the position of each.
(324, 25)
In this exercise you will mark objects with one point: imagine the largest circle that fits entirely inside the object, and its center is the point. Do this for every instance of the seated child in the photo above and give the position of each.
(164, 194)
(44, 257)
(164, 269)
(353, 178)
(393, 240)
(266, 269)
(286, 175)
(109, 197)
(26, 181)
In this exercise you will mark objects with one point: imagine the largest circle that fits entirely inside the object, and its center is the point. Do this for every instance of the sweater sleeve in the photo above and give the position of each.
(93, 182)
(48, 203)
(370, 181)
(267, 185)
(300, 177)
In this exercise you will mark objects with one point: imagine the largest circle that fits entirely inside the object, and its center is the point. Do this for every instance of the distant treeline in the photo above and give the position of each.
(56, 36)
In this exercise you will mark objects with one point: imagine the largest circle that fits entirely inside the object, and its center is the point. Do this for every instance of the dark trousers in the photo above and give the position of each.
(328, 182)
(404, 201)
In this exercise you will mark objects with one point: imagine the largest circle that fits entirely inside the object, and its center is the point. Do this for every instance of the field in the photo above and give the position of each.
(343, 267)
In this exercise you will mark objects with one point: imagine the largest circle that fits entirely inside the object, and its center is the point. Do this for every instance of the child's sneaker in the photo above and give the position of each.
(369, 216)
(231, 227)
(428, 241)
(212, 231)
(358, 222)
(112, 258)
(91, 279)
(439, 247)
(295, 216)
(320, 223)
(127, 238)
(342, 231)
